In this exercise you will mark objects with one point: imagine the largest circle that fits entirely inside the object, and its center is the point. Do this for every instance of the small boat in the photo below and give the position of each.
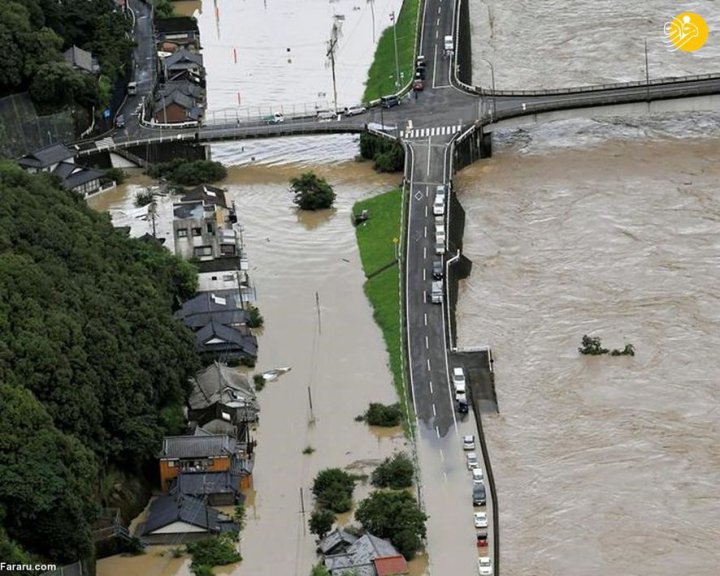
(271, 375)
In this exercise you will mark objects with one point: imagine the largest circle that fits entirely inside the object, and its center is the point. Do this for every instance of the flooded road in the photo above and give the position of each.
(603, 465)
(563, 43)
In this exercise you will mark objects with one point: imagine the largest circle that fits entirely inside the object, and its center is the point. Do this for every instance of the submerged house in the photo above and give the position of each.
(203, 452)
(177, 519)
(222, 401)
(59, 160)
(364, 556)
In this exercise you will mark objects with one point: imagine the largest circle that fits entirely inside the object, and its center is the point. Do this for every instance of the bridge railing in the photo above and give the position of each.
(589, 89)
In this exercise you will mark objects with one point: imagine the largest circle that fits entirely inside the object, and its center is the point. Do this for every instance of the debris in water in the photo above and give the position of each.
(271, 375)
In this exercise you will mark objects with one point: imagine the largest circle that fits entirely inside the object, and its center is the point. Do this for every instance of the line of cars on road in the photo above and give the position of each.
(436, 287)
(479, 495)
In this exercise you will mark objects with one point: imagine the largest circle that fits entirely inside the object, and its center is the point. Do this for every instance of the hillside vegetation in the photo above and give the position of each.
(93, 368)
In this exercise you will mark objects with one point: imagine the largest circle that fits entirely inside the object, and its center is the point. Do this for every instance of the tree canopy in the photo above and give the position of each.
(312, 192)
(92, 363)
(34, 34)
(333, 489)
(395, 516)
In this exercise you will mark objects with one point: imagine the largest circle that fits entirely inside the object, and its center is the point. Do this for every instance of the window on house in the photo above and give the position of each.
(209, 227)
(229, 277)
(227, 249)
(182, 233)
(203, 250)
(197, 231)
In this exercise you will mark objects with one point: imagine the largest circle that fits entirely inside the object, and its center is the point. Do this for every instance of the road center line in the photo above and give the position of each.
(425, 318)
(442, 456)
(434, 411)
(425, 231)
(426, 211)
(424, 252)
(428, 166)
(424, 297)
(424, 277)
(428, 363)
(431, 390)
(437, 430)
(439, 8)
(427, 342)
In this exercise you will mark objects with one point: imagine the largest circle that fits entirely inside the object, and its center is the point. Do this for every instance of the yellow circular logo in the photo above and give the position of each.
(687, 32)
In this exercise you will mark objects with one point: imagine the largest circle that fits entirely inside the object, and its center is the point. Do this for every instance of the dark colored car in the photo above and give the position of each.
(420, 73)
(418, 85)
(478, 494)
(437, 270)
(463, 407)
(389, 101)
(482, 539)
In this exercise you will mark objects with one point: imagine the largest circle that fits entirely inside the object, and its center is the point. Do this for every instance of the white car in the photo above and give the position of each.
(472, 461)
(469, 442)
(439, 205)
(485, 566)
(481, 520)
(275, 118)
(355, 110)
(477, 475)
(458, 380)
(461, 398)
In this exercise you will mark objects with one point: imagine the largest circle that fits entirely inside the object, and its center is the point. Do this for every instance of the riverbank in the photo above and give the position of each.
(381, 76)
(376, 240)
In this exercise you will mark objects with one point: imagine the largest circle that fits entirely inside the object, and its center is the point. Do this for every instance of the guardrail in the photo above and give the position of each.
(589, 89)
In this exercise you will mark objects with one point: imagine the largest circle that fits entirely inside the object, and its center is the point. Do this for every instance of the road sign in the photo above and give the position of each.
(107, 113)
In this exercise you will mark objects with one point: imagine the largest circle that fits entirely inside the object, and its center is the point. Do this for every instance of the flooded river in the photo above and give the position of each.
(603, 465)
(563, 43)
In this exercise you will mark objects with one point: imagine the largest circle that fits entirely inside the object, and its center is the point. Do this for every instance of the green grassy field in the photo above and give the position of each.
(377, 251)
(381, 77)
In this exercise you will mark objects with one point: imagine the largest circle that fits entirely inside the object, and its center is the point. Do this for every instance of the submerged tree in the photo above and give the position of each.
(592, 346)
(312, 192)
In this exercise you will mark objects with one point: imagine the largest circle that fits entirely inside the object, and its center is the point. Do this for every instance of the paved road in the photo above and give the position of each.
(446, 481)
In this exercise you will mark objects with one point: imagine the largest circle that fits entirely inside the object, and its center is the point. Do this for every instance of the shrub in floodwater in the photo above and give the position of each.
(396, 472)
(321, 522)
(217, 551)
(259, 381)
(333, 489)
(312, 192)
(592, 346)
(381, 415)
(255, 319)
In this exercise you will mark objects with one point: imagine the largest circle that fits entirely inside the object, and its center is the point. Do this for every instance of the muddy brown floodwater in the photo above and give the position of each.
(340, 357)
(602, 465)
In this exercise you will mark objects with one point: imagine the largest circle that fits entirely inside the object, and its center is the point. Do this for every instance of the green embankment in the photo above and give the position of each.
(381, 77)
(377, 252)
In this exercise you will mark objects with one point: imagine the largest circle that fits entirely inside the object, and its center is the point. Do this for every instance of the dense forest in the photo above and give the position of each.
(35, 33)
(93, 367)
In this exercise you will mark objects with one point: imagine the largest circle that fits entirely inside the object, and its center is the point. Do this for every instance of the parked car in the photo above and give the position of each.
(481, 539)
(458, 380)
(477, 476)
(472, 461)
(485, 566)
(275, 118)
(420, 73)
(481, 520)
(437, 270)
(326, 115)
(468, 442)
(463, 406)
(461, 398)
(389, 101)
(439, 205)
(478, 495)
(418, 85)
(355, 110)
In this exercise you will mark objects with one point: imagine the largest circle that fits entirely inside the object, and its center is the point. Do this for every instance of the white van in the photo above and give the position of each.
(439, 205)
(449, 46)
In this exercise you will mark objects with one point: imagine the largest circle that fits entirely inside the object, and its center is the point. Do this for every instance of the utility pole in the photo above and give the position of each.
(372, 11)
(152, 212)
(397, 69)
(647, 75)
(330, 54)
(317, 305)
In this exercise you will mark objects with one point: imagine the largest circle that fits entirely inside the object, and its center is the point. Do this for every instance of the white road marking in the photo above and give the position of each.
(428, 364)
(436, 34)
(426, 211)
(437, 431)
(439, 8)
(438, 22)
(425, 319)
(431, 389)
(424, 276)
(434, 65)
(425, 234)
(434, 412)
(424, 252)
(427, 342)
(442, 456)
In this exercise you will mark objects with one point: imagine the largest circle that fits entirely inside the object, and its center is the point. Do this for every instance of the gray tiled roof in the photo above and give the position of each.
(335, 538)
(184, 87)
(182, 100)
(46, 157)
(360, 555)
(197, 446)
(197, 484)
(80, 58)
(182, 56)
(168, 509)
(208, 194)
(232, 340)
(220, 383)
(72, 175)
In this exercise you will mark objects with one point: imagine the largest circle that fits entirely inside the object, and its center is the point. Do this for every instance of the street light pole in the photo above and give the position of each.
(647, 74)
(397, 69)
